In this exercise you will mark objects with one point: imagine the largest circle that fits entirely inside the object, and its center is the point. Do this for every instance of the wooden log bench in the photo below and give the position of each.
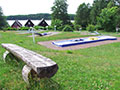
(36, 64)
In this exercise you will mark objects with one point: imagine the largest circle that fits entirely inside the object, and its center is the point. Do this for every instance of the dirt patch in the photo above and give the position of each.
(49, 44)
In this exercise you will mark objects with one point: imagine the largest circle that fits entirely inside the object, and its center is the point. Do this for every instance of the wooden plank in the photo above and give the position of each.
(37, 62)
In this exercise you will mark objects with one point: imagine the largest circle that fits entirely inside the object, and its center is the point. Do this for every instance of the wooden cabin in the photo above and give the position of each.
(16, 24)
(43, 23)
(29, 23)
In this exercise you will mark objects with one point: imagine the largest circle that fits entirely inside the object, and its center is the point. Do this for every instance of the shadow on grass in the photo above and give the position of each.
(13, 61)
(44, 84)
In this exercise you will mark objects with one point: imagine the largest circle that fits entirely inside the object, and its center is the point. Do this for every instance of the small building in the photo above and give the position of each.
(16, 24)
(43, 23)
(29, 23)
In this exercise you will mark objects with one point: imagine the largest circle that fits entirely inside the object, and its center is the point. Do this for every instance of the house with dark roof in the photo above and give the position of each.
(16, 24)
(43, 23)
(29, 23)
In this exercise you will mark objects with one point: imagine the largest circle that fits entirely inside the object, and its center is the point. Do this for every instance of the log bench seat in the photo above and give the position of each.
(36, 64)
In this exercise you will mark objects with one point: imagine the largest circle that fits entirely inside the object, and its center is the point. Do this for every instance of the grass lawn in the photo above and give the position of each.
(95, 68)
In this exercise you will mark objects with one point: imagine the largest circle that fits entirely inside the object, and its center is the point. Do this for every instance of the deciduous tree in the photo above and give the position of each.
(107, 18)
(97, 6)
(3, 22)
(59, 11)
(82, 15)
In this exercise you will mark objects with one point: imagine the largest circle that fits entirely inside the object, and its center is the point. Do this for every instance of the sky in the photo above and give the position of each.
(24, 7)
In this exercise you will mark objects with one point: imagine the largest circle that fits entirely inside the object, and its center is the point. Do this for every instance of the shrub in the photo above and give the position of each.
(60, 28)
(10, 28)
(91, 28)
(57, 23)
(108, 18)
(69, 52)
(77, 27)
(97, 27)
(24, 28)
(83, 28)
(39, 27)
(67, 28)
(50, 28)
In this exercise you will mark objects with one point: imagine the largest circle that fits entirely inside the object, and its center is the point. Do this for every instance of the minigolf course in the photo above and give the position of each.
(71, 42)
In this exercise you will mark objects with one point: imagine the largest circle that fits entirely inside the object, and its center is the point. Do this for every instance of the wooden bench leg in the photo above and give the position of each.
(28, 74)
(5, 55)
(25, 73)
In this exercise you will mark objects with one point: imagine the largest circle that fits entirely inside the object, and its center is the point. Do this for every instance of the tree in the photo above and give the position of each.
(98, 5)
(82, 15)
(3, 22)
(57, 24)
(59, 11)
(107, 18)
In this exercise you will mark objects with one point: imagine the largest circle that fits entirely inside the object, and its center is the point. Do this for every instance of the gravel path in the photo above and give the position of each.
(49, 44)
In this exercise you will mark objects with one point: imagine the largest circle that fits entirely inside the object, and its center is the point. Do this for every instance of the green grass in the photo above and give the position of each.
(95, 68)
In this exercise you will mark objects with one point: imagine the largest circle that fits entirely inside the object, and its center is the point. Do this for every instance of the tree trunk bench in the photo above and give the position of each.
(36, 64)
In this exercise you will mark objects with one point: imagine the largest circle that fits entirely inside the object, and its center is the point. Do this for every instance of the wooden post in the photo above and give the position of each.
(25, 73)
(5, 55)
(33, 35)
(55, 28)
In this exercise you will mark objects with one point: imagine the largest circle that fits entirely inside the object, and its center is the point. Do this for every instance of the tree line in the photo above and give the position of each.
(38, 16)
(103, 14)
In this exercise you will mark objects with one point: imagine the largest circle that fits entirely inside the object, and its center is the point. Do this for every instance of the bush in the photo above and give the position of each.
(39, 27)
(10, 28)
(91, 28)
(69, 52)
(83, 28)
(60, 28)
(77, 27)
(57, 23)
(98, 27)
(67, 28)
(50, 28)
(24, 28)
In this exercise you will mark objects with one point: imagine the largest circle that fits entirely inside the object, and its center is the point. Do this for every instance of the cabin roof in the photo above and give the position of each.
(43, 23)
(29, 23)
(16, 24)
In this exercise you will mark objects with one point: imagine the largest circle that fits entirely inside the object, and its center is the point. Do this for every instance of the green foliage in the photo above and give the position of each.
(107, 19)
(50, 28)
(3, 22)
(39, 27)
(69, 52)
(57, 23)
(98, 27)
(60, 28)
(91, 28)
(77, 27)
(67, 28)
(97, 6)
(82, 15)
(59, 11)
(10, 28)
(24, 28)
(39, 16)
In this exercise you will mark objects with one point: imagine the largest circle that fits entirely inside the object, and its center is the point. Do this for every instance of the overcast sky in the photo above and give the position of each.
(19, 7)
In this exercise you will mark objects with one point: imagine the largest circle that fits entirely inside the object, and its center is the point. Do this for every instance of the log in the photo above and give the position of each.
(44, 67)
